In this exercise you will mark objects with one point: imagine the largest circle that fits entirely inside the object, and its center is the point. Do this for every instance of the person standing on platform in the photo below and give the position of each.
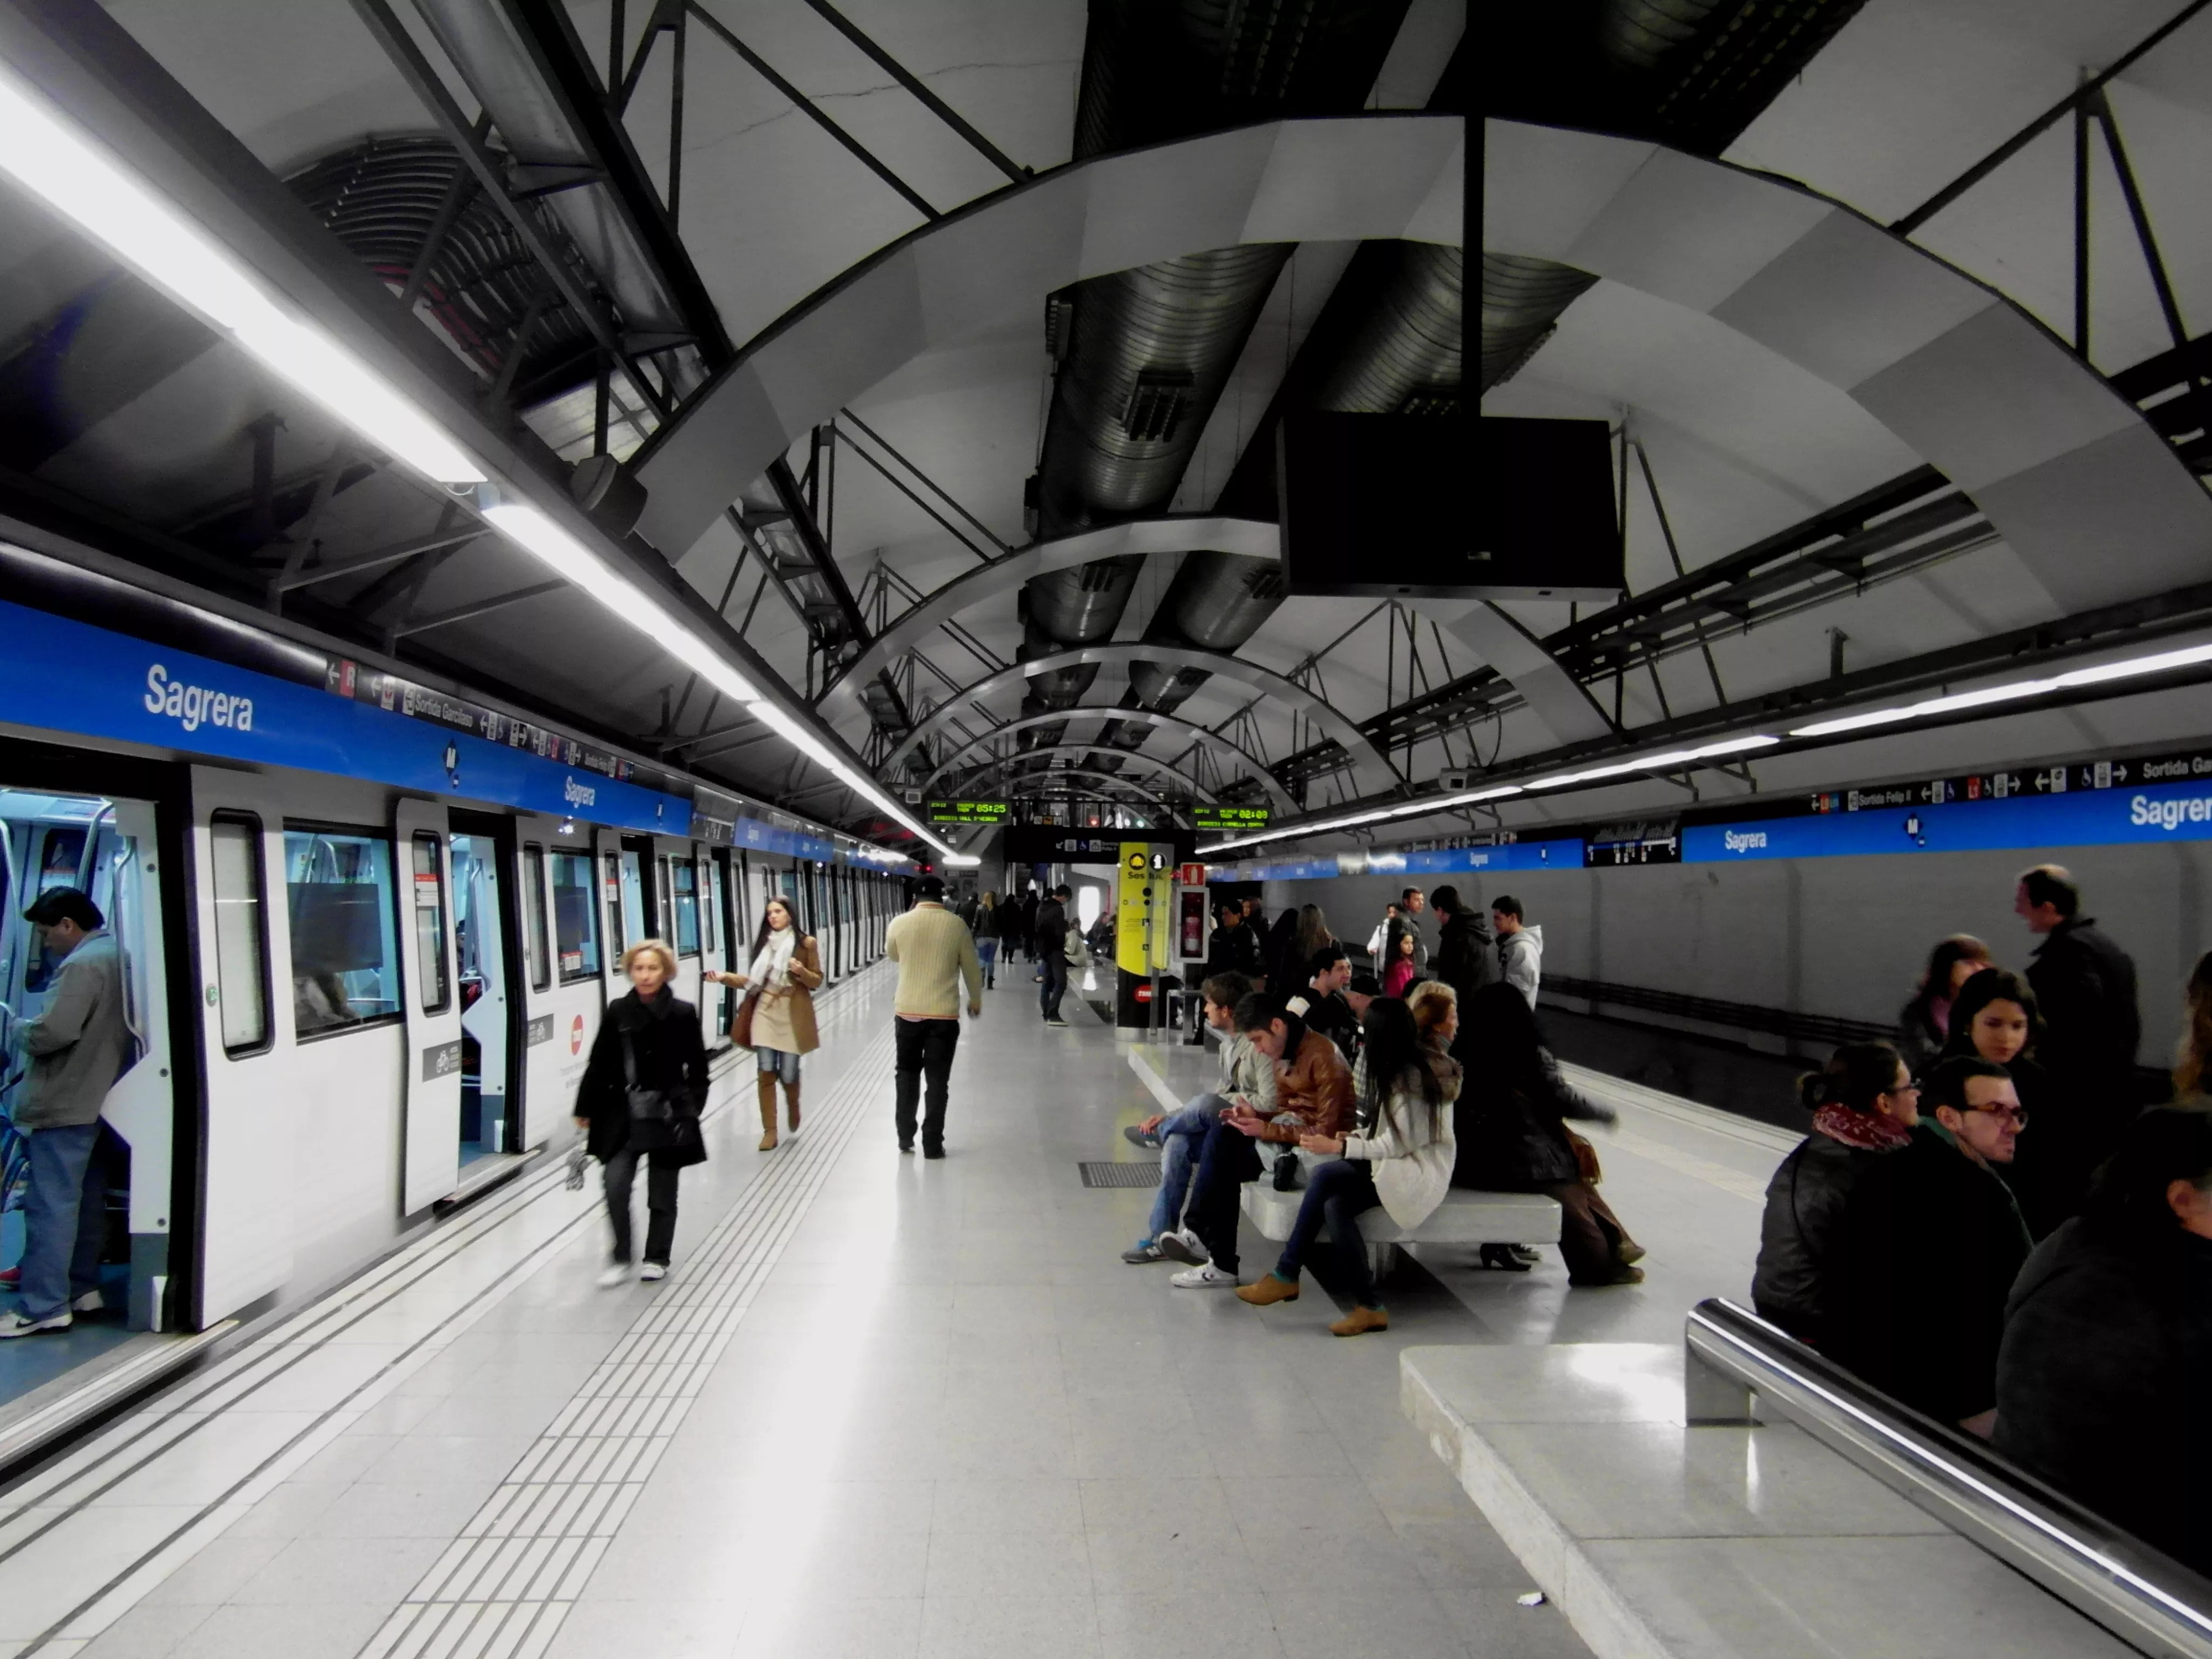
(1025, 929)
(1322, 1003)
(642, 1091)
(934, 951)
(1413, 904)
(1050, 945)
(1519, 948)
(1924, 1025)
(776, 1020)
(76, 1046)
(1233, 949)
(1464, 960)
(1402, 972)
(985, 930)
(2087, 984)
(1994, 1018)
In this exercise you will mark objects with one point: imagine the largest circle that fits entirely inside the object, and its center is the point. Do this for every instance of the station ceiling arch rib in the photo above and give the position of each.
(1251, 537)
(1346, 179)
(1188, 730)
(1371, 770)
(1145, 762)
(1134, 786)
(2094, 501)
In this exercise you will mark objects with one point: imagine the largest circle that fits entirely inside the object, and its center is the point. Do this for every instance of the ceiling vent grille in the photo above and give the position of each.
(1156, 405)
(1059, 325)
(1432, 400)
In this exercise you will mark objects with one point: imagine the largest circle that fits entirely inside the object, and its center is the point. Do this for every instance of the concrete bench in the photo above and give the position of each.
(1463, 1218)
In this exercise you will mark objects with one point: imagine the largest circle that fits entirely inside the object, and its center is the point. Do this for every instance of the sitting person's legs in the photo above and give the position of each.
(1227, 1159)
(1180, 1134)
(1335, 1195)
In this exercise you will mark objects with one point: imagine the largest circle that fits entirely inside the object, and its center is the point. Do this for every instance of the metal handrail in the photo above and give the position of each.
(2142, 1596)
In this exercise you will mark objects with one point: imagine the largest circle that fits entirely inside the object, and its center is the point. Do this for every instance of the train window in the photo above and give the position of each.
(533, 918)
(241, 932)
(682, 879)
(430, 885)
(574, 938)
(709, 933)
(55, 863)
(664, 907)
(342, 913)
(634, 924)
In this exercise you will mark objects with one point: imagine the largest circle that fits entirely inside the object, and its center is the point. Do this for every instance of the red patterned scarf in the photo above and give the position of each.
(1870, 1132)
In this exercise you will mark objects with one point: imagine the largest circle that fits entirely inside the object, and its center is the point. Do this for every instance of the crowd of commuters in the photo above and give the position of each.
(1992, 1222)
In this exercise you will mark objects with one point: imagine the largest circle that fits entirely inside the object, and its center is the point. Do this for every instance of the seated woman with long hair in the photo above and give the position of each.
(1513, 1137)
(1401, 1158)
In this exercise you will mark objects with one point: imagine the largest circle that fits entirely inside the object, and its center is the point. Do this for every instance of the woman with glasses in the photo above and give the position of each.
(1836, 1211)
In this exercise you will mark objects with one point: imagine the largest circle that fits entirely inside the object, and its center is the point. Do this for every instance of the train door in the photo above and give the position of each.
(564, 996)
(676, 890)
(624, 861)
(246, 1034)
(106, 848)
(430, 1160)
(488, 941)
(714, 875)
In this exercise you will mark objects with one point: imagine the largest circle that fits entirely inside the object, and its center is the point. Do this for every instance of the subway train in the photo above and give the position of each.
(355, 1001)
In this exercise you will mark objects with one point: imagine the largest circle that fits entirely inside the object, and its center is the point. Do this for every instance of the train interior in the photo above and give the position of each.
(102, 847)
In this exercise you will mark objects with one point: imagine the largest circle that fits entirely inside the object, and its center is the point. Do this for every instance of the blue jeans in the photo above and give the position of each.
(1337, 1194)
(987, 952)
(1054, 987)
(64, 1218)
(1180, 1135)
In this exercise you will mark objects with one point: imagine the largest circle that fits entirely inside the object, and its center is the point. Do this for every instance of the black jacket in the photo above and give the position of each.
(985, 923)
(1962, 1247)
(1918, 1040)
(1463, 958)
(1333, 1017)
(2087, 987)
(1234, 950)
(1049, 935)
(2058, 1149)
(2100, 1380)
(1511, 1134)
(1826, 1250)
(670, 1055)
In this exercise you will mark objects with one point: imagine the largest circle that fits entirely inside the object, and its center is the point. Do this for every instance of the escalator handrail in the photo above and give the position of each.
(2141, 1595)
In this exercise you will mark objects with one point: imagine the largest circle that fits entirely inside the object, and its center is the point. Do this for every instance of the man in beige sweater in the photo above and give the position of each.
(934, 951)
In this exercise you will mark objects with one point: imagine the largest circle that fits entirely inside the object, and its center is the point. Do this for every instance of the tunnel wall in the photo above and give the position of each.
(1843, 937)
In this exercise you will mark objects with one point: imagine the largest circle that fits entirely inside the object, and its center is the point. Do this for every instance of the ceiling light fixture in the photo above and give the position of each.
(82, 181)
(2127, 668)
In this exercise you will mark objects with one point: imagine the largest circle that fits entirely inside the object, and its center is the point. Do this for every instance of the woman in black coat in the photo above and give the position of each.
(641, 1095)
(2108, 1339)
(1510, 1127)
(1994, 1018)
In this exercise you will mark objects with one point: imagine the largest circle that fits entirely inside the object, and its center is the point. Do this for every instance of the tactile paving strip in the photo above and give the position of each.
(502, 1587)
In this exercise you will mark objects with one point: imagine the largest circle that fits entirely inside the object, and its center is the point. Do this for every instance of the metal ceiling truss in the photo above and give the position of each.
(968, 779)
(2045, 646)
(1202, 743)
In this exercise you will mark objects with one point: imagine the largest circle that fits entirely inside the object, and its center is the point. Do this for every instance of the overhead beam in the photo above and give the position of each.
(1190, 732)
(1051, 751)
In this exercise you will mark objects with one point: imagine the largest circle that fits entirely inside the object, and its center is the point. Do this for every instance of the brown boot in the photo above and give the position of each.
(768, 1112)
(1361, 1321)
(1266, 1291)
(791, 1104)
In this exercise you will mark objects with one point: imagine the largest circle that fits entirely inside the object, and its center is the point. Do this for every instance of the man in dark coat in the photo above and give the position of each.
(2084, 985)
(1464, 959)
(1049, 940)
(1234, 948)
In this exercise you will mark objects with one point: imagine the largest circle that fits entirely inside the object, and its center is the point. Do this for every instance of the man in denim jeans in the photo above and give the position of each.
(77, 1046)
(1246, 1074)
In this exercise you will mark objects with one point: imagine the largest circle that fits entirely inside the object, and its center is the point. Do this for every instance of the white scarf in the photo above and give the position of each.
(771, 966)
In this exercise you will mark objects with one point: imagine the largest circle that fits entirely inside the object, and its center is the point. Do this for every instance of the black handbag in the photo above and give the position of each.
(646, 1105)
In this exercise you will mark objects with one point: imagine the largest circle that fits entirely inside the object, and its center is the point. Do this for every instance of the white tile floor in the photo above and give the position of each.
(923, 1410)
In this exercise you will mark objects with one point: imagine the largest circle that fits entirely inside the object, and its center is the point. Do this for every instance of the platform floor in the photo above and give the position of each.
(884, 1406)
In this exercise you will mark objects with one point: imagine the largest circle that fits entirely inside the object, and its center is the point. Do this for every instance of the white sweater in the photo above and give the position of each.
(1412, 1171)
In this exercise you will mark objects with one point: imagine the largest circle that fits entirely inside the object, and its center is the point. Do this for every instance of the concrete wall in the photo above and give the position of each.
(1841, 936)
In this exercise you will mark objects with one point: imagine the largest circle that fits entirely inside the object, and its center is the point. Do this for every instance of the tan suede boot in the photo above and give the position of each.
(768, 1112)
(791, 1104)
(1361, 1321)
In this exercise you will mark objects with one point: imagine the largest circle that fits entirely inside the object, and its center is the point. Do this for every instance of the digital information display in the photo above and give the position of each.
(971, 812)
(1230, 818)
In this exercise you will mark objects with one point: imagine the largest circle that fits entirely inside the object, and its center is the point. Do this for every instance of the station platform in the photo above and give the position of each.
(882, 1407)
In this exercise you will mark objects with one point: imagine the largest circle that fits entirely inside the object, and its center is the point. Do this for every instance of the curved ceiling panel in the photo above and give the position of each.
(2096, 503)
(1175, 725)
(1347, 178)
(1142, 763)
(1371, 770)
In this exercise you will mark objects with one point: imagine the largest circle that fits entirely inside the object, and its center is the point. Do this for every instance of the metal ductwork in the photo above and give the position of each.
(382, 199)
(1522, 300)
(1143, 354)
(524, 63)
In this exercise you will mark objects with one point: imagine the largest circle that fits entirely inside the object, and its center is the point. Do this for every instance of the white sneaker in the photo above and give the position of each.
(615, 1273)
(90, 1301)
(1181, 1244)
(652, 1270)
(1205, 1277)
(15, 1324)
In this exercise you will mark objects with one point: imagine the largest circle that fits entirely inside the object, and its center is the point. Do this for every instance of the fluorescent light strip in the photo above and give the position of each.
(1557, 779)
(81, 180)
(2101, 674)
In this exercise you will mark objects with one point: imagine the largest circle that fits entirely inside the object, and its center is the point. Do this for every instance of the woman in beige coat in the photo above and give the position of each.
(777, 1020)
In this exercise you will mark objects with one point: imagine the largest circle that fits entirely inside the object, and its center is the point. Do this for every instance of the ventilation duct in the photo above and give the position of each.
(1522, 300)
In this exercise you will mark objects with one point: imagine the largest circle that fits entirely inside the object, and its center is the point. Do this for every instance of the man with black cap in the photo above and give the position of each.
(934, 951)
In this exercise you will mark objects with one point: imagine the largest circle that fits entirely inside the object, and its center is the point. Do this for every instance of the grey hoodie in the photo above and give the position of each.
(1521, 956)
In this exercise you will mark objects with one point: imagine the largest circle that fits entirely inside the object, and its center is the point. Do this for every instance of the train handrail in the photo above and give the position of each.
(2142, 1595)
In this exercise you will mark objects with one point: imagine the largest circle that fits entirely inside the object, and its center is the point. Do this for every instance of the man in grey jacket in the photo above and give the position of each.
(1520, 947)
(76, 1047)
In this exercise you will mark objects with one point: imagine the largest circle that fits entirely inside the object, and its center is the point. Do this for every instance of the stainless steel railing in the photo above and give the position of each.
(1742, 1370)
